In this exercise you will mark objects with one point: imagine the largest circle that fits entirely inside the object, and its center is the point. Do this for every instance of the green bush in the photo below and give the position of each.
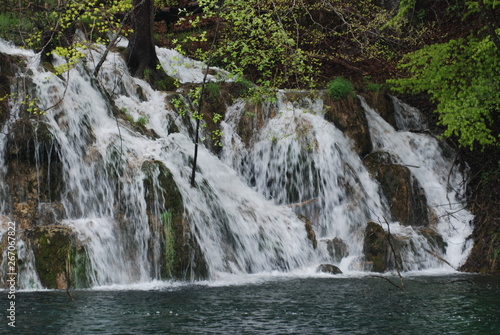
(339, 88)
(142, 121)
(11, 27)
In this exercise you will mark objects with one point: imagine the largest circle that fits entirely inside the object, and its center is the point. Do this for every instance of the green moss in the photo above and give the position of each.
(373, 87)
(79, 263)
(57, 257)
(168, 232)
(182, 255)
(165, 84)
(213, 89)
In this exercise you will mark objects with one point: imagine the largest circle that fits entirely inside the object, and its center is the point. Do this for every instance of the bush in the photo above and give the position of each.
(142, 121)
(339, 88)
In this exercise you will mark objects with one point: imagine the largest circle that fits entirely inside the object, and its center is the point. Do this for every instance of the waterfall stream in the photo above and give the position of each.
(247, 211)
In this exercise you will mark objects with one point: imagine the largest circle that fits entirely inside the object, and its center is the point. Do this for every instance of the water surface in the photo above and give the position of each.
(458, 304)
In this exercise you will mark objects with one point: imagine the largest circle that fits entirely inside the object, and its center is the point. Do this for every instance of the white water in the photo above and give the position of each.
(239, 211)
(441, 180)
(297, 157)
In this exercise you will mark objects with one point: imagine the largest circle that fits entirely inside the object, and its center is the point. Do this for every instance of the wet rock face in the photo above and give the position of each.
(35, 174)
(406, 198)
(8, 67)
(348, 116)
(337, 249)
(383, 105)
(181, 256)
(375, 247)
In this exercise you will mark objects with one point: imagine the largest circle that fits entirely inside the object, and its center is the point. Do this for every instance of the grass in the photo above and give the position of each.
(340, 88)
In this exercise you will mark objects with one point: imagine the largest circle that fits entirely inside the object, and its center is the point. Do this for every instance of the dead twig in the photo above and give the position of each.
(398, 266)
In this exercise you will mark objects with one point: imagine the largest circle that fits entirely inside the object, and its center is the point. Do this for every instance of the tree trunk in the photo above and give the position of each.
(141, 54)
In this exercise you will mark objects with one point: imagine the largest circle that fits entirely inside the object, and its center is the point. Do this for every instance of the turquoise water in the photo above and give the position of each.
(458, 304)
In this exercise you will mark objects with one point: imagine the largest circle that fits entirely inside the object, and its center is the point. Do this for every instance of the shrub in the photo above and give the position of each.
(142, 121)
(339, 88)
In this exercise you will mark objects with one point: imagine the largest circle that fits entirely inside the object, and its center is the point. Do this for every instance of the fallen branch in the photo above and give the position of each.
(303, 203)
(438, 257)
(390, 281)
(398, 266)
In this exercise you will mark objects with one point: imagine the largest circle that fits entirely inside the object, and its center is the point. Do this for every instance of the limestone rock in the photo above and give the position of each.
(348, 115)
(337, 249)
(329, 268)
(406, 198)
(311, 235)
(375, 246)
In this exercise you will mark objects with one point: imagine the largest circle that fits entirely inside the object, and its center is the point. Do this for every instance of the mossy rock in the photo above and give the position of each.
(434, 238)
(182, 258)
(61, 261)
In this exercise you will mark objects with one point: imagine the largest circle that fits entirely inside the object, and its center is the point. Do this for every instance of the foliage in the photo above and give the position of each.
(142, 121)
(340, 88)
(11, 26)
(462, 77)
(253, 41)
(58, 20)
(405, 6)
(374, 87)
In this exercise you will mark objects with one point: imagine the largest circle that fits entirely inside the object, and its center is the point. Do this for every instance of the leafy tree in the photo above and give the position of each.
(462, 76)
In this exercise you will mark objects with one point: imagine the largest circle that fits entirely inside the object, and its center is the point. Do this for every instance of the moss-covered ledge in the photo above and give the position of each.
(61, 260)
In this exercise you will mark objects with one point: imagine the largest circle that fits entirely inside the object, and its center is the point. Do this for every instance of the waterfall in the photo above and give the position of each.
(431, 164)
(248, 211)
(299, 157)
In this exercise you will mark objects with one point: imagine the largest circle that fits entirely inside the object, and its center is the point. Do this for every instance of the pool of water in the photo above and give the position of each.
(451, 304)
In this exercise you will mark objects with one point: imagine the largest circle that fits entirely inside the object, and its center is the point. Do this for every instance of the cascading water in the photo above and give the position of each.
(243, 211)
(300, 158)
(442, 181)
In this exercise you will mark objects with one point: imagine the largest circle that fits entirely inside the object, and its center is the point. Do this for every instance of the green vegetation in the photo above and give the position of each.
(11, 26)
(447, 50)
(340, 88)
(213, 89)
(462, 77)
(168, 232)
(142, 121)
